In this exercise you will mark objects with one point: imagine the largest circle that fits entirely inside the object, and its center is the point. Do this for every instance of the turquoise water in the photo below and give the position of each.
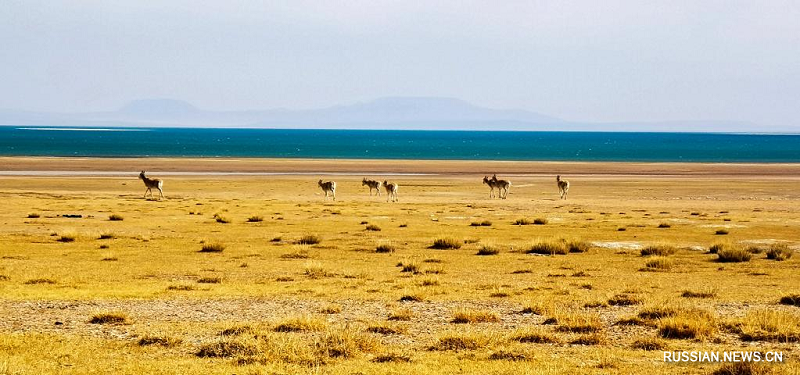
(372, 144)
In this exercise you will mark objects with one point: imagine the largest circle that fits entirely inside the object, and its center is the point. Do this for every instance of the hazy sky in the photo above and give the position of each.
(578, 60)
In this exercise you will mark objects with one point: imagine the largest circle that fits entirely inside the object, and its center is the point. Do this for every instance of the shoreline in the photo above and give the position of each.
(90, 166)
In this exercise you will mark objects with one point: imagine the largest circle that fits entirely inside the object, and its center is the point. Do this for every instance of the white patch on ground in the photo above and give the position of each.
(379, 217)
(455, 217)
(627, 245)
(723, 226)
(680, 220)
(766, 241)
(697, 248)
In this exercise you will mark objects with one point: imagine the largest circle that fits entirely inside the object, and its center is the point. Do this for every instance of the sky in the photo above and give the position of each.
(590, 61)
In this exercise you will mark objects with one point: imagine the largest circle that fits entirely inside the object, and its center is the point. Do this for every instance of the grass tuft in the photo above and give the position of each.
(557, 247)
(660, 250)
(699, 294)
(649, 344)
(534, 336)
(733, 255)
(346, 343)
(507, 356)
(331, 309)
(109, 318)
(237, 330)
(742, 368)
(410, 267)
(106, 235)
(791, 300)
(779, 252)
(115, 217)
(309, 239)
(212, 247)
(315, 270)
(488, 250)
(658, 312)
(373, 228)
(404, 315)
(167, 342)
(721, 232)
(715, 248)
(771, 325)
(222, 219)
(385, 329)
(578, 246)
(590, 339)
(522, 221)
(394, 358)
(692, 324)
(485, 223)
(182, 287)
(658, 264)
(461, 341)
(39, 281)
(67, 236)
(537, 308)
(412, 297)
(465, 316)
(209, 280)
(578, 322)
(385, 248)
(255, 219)
(303, 323)
(624, 299)
(227, 349)
(446, 244)
(300, 253)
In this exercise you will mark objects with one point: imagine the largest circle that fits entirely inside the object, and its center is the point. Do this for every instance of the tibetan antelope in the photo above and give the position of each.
(502, 186)
(328, 187)
(391, 191)
(372, 185)
(563, 187)
(151, 184)
(490, 183)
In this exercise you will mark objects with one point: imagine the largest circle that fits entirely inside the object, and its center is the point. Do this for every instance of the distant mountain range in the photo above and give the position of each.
(384, 113)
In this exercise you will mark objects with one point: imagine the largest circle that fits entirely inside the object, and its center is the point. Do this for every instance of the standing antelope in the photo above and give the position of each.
(372, 185)
(391, 191)
(489, 182)
(501, 185)
(328, 187)
(563, 187)
(152, 183)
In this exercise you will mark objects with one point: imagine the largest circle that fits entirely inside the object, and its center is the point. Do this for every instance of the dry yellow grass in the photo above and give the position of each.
(768, 325)
(300, 324)
(376, 318)
(474, 316)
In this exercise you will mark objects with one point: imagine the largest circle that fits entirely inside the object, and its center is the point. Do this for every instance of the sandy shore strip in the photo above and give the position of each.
(16, 166)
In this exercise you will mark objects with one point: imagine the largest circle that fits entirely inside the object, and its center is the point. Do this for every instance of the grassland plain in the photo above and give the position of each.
(144, 286)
